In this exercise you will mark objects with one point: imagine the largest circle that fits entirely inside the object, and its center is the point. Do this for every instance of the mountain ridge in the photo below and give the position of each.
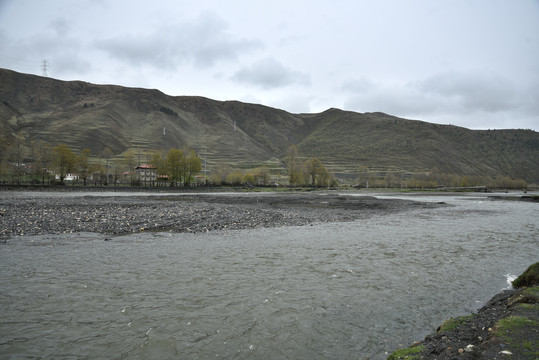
(232, 133)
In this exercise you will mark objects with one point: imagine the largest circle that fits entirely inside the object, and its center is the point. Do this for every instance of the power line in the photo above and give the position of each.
(45, 68)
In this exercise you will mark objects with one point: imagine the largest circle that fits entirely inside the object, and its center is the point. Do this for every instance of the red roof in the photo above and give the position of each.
(145, 166)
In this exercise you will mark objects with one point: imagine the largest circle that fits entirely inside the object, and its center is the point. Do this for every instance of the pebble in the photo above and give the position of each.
(25, 214)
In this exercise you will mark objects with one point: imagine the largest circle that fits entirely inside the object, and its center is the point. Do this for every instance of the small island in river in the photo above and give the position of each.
(36, 213)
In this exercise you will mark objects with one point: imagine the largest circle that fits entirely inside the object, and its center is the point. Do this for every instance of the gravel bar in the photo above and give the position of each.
(35, 213)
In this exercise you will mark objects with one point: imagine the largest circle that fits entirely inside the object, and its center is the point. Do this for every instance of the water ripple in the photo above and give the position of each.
(349, 290)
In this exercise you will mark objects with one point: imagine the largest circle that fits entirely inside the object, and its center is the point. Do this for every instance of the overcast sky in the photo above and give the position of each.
(471, 63)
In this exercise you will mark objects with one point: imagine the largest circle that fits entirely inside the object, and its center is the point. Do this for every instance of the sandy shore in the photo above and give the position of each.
(34, 213)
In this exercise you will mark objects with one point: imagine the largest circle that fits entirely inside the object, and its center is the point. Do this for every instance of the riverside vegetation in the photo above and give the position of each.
(507, 327)
(42, 163)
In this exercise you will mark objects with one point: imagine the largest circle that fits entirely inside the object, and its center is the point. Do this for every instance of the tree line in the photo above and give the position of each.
(177, 166)
(42, 163)
(310, 172)
(431, 179)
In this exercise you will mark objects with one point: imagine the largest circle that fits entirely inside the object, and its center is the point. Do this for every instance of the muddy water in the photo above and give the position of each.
(331, 291)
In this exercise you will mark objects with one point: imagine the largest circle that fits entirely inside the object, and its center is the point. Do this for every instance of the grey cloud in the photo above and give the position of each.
(362, 85)
(203, 42)
(455, 92)
(268, 73)
(3, 37)
(60, 26)
(55, 38)
(138, 50)
(55, 44)
(531, 99)
(70, 64)
(394, 101)
(472, 91)
(475, 100)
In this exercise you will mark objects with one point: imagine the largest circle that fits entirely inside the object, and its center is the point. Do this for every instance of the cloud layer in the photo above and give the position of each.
(203, 42)
(486, 97)
(268, 73)
(469, 64)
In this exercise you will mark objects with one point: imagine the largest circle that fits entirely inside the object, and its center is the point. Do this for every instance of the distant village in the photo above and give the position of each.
(60, 165)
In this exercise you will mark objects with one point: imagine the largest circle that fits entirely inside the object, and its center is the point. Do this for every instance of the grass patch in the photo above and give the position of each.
(407, 353)
(529, 277)
(533, 291)
(528, 296)
(528, 306)
(511, 323)
(452, 323)
(517, 332)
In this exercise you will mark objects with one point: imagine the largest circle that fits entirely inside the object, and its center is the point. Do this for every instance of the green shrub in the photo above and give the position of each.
(407, 353)
(452, 323)
(530, 277)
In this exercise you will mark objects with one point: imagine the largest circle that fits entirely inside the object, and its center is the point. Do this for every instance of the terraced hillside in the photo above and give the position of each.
(235, 134)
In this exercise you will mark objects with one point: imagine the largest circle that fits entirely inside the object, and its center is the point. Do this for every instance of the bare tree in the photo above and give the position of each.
(107, 154)
(84, 164)
(44, 159)
(16, 158)
(293, 165)
(315, 170)
(193, 165)
(65, 160)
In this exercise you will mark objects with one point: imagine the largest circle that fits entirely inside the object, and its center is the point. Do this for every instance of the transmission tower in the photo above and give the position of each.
(45, 68)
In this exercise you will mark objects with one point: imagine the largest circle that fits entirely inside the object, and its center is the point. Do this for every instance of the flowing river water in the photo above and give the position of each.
(354, 290)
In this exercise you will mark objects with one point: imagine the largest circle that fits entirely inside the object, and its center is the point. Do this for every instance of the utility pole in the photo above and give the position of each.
(205, 139)
(45, 68)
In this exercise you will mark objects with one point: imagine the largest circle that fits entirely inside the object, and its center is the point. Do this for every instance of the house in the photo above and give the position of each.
(146, 174)
(68, 177)
(200, 180)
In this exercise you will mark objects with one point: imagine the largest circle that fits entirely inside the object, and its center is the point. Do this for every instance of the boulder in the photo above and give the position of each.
(530, 277)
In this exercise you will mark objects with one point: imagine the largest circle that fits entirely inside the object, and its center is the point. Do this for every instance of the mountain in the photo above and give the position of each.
(84, 115)
(380, 141)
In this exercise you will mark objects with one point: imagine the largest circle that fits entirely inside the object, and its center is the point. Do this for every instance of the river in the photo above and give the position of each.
(355, 290)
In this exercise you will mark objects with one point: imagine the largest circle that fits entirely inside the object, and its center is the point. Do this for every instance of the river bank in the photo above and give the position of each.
(507, 327)
(337, 290)
(37, 213)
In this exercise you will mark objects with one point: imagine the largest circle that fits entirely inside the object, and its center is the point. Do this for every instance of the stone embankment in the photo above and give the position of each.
(36, 213)
(507, 327)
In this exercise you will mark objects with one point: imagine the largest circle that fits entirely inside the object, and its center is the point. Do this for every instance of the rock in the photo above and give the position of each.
(36, 215)
(506, 327)
(530, 277)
